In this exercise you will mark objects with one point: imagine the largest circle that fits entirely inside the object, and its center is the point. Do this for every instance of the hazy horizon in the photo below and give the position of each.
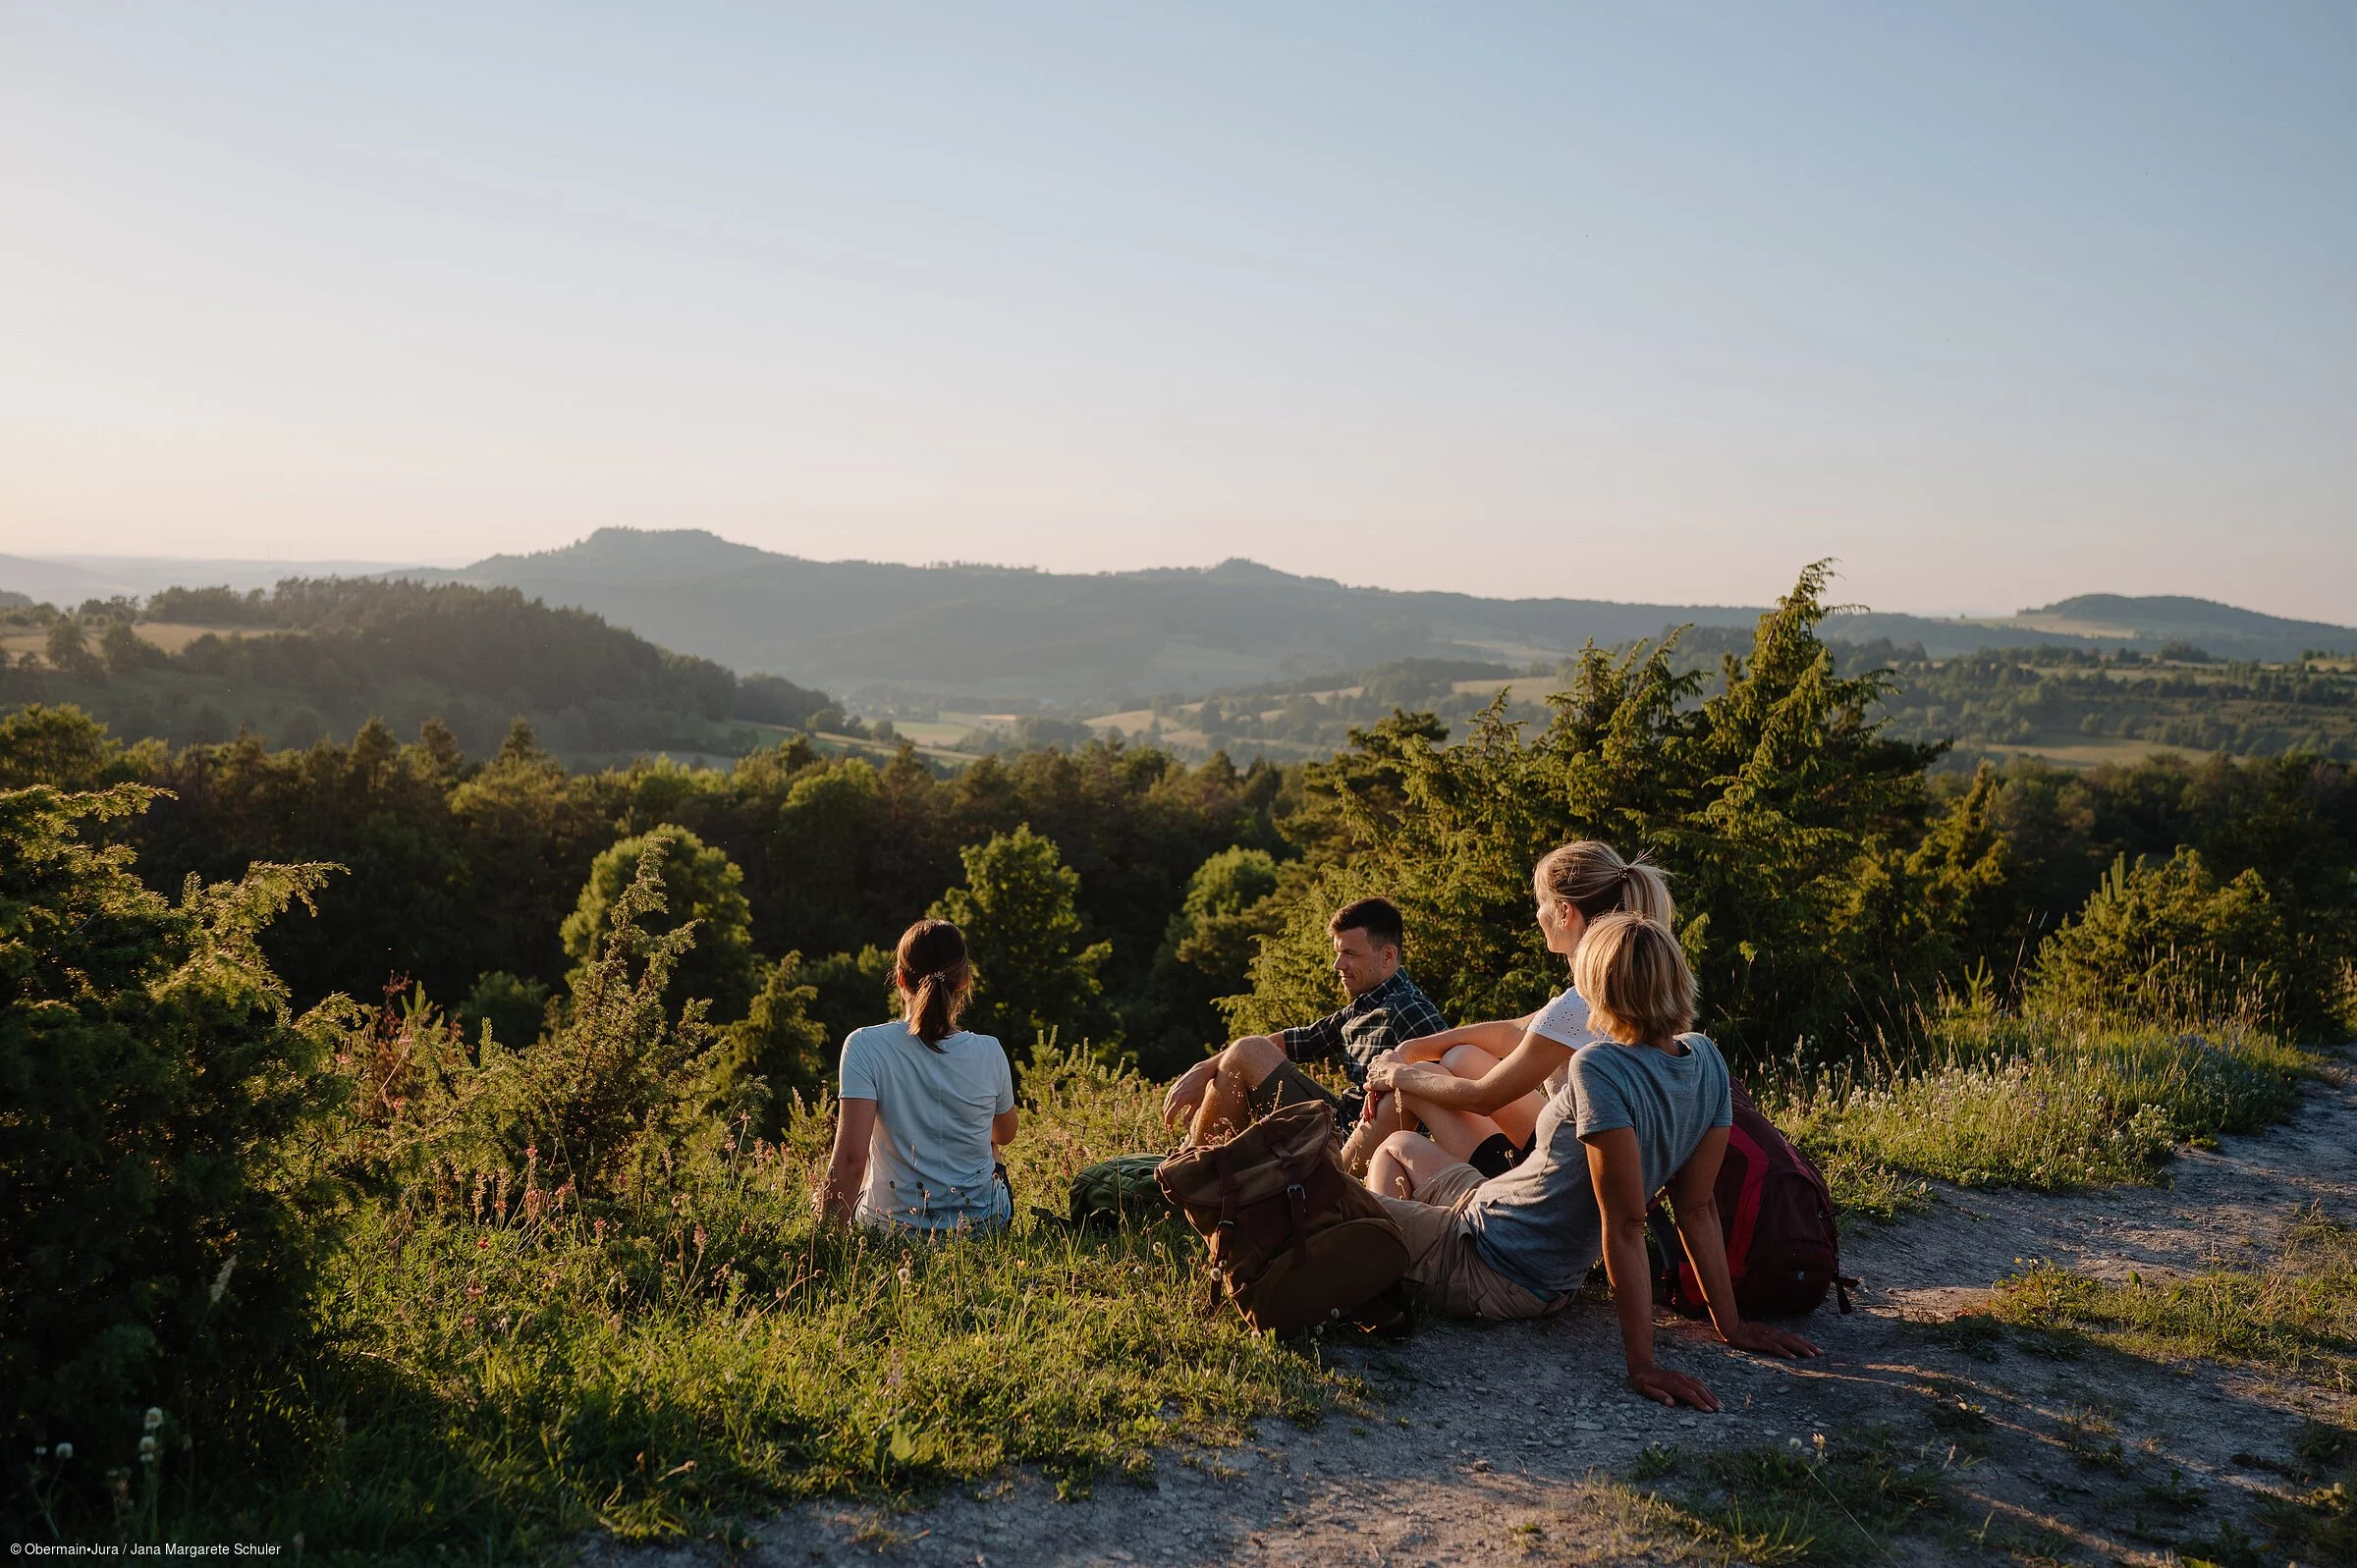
(256, 577)
(1996, 304)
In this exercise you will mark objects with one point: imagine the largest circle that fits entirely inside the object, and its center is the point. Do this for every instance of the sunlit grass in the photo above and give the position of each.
(504, 1375)
(2048, 1104)
(2295, 1315)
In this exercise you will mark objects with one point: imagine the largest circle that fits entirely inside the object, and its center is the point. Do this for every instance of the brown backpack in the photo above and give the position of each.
(1295, 1241)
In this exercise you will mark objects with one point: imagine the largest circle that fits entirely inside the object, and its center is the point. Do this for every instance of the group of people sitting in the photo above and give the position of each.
(1510, 1153)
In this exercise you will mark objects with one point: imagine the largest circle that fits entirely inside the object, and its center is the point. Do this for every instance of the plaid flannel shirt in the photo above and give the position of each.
(1411, 1012)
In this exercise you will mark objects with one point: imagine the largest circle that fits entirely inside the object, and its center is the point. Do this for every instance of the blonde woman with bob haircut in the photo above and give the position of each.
(1479, 1101)
(924, 1105)
(1643, 1105)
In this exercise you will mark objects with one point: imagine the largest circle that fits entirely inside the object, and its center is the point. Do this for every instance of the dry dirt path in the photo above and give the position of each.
(1512, 1444)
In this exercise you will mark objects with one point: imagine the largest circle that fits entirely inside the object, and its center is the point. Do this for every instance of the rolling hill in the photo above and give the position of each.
(994, 634)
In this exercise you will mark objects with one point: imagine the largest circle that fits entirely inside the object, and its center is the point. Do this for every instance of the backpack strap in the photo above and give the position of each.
(1844, 1284)
(1298, 1200)
(1222, 1237)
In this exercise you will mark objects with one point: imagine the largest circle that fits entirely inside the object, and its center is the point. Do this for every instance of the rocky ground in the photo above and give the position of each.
(1522, 1443)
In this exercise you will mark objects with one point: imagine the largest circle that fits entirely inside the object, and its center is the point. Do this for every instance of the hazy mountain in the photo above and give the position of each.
(1000, 632)
(992, 631)
(997, 634)
(2223, 628)
(2108, 621)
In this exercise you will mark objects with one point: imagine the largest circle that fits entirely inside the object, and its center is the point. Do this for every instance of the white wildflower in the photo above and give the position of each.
(153, 1420)
(65, 1451)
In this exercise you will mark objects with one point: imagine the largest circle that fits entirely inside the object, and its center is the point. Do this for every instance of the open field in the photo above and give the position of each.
(2095, 753)
(170, 636)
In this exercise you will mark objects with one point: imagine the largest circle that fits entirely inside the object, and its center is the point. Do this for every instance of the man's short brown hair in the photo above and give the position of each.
(1379, 918)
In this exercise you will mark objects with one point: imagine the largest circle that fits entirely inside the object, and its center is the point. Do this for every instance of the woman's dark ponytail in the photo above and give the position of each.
(934, 978)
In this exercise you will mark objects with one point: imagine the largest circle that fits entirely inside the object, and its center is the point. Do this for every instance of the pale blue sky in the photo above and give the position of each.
(1995, 303)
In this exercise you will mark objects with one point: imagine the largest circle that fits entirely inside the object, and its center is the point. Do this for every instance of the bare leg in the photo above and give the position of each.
(1359, 1148)
(1405, 1163)
(1517, 1119)
(1458, 1132)
(1227, 1107)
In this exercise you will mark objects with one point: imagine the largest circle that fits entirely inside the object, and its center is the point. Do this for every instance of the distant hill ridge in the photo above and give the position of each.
(1000, 632)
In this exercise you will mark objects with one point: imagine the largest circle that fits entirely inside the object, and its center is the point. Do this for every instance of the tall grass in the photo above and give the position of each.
(2045, 1102)
(506, 1366)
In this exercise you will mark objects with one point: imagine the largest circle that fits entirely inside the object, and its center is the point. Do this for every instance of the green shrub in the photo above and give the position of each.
(515, 1008)
(1033, 977)
(2170, 941)
(700, 885)
(620, 1084)
(1777, 805)
(779, 1042)
(156, 1235)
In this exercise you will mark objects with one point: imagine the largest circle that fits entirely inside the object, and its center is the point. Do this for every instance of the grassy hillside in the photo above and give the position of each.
(319, 658)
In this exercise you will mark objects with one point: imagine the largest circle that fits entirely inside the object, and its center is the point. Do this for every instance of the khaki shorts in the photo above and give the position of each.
(1445, 1272)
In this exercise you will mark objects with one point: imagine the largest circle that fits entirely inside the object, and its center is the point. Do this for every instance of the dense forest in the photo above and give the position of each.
(2071, 703)
(2059, 699)
(318, 658)
(461, 869)
(422, 1138)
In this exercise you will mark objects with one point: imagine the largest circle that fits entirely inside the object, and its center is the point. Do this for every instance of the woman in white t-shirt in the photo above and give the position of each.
(925, 1106)
(1479, 1090)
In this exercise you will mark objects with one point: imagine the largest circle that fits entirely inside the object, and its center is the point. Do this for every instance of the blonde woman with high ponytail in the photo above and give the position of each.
(925, 1106)
(1487, 1116)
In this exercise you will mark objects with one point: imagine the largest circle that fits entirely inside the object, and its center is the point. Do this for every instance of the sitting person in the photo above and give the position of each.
(1644, 1105)
(1256, 1075)
(925, 1106)
(1480, 1100)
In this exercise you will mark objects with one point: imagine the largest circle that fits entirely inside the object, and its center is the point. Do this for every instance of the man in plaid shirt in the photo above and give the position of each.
(1256, 1075)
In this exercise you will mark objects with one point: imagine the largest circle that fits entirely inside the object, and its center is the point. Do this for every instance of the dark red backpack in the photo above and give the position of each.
(1781, 1250)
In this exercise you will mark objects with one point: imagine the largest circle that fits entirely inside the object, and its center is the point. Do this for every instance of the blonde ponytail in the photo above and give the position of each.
(1591, 877)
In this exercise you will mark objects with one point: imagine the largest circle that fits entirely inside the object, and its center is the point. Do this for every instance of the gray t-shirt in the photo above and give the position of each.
(1537, 1224)
(928, 1160)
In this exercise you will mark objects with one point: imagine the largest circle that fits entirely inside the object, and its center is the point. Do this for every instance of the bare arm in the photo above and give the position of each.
(1003, 1129)
(1694, 1191)
(1617, 1171)
(1498, 1037)
(846, 1170)
(1524, 1068)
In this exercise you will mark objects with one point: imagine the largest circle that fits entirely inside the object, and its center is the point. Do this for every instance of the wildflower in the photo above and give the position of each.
(147, 1450)
(64, 1452)
(483, 1244)
(904, 1273)
(474, 1292)
(153, 1420)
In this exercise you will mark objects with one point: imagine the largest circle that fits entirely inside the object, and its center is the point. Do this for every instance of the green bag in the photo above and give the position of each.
(1117, 1192)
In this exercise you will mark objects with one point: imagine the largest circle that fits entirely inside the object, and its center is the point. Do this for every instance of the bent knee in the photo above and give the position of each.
(1468, 1061)
(1251, 1058)
(1402, 1146)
